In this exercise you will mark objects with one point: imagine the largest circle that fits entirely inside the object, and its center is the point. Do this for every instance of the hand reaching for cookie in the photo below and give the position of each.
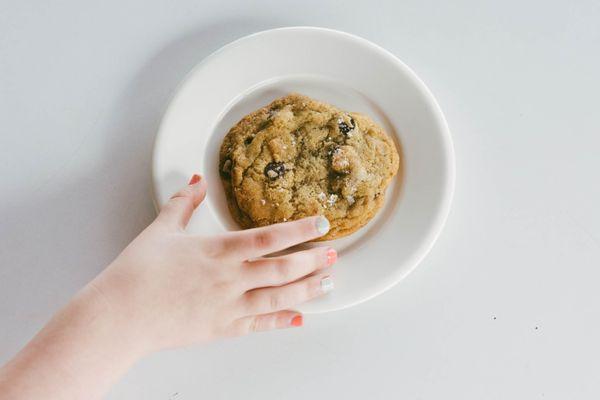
(169, 289)
(204, 287)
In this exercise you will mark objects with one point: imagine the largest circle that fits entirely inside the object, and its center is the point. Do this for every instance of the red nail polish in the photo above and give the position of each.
(195, 179)
(297, 320)
(331, 256)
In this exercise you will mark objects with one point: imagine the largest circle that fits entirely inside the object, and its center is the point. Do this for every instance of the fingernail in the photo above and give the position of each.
(327, 284)
(331, 257)
(195, 179)
(297, 320)
(322, 225)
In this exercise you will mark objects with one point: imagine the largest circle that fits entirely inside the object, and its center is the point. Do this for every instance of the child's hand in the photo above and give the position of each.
(169, 288)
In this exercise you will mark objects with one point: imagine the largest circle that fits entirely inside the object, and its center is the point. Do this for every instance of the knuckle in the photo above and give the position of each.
(222, 285)
(253, 325)
(285, 269)
(169, 206)
(183, 193)
(214, 248)
(263, 240)
(251, 302)
(276, 302)
(310, 289)
(179, 201)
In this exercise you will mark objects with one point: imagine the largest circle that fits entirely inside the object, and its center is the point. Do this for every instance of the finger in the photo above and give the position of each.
(180, 207)
(267, 300)
(278, 271)
(266, 322)
(258, 242)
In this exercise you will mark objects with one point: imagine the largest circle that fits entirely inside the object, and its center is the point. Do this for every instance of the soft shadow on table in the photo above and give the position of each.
(67, 250)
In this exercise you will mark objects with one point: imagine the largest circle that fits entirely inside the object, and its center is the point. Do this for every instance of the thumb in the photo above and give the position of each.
(180, 207)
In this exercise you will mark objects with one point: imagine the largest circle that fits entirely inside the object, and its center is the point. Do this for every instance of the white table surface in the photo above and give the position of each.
(506, 306)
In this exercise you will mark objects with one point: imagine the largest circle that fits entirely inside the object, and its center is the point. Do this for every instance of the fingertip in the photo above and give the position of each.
(178, 210)
(332, 256)
(326, 284)
(195, 179)
(297, 321)
(322, 225)
(198, 186)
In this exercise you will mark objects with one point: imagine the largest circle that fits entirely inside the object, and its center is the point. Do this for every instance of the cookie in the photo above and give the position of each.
(299, 157)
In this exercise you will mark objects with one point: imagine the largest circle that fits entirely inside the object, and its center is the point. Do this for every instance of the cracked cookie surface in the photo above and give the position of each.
(299, 157)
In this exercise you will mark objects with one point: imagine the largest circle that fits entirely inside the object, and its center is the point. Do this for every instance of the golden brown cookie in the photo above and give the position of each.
(299, 157)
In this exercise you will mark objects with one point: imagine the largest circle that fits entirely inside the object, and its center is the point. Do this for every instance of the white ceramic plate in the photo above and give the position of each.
(353, 74)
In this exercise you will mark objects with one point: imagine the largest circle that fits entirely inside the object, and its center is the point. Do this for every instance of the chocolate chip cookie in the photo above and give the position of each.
(299, 157)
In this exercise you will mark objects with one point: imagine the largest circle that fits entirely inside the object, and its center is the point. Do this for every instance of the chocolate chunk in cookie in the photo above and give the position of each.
(344, 127)
(274, 170)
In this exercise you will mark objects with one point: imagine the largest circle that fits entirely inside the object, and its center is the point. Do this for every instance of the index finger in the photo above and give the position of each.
(258, 242)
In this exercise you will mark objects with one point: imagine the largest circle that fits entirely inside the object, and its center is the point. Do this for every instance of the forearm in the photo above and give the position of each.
(79, 354)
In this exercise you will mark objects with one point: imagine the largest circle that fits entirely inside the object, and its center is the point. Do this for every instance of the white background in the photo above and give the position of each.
(506, 306)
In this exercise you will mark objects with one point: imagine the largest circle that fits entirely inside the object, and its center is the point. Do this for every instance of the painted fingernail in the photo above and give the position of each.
(327, 284)
(322, 225)
(297, 320)
(331, 257)
(195, 179)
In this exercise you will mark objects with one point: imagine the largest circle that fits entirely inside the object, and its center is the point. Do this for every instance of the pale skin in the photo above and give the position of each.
(170, 289)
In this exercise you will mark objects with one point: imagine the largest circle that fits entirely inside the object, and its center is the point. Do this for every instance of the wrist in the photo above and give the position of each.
(80, 353)
(113, 325)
